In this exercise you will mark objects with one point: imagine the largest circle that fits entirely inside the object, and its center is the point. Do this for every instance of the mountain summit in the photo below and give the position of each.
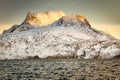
(33, 20)
(73, 20)
(69, 37)
(44, 18)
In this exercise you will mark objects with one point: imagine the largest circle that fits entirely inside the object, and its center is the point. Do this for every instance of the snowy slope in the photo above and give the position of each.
(69, 37)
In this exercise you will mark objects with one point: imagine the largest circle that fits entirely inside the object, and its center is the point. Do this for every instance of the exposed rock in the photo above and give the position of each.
(69, 37)
(18, 28)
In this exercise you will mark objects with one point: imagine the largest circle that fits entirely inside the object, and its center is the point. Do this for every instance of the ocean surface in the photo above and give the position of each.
(60, 69)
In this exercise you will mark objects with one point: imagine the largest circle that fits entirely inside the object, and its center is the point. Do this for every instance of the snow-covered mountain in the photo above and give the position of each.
(43, 18)
(36, 20)
(70, 37)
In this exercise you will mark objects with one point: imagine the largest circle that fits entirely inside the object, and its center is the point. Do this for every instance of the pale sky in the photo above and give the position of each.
(96, 11)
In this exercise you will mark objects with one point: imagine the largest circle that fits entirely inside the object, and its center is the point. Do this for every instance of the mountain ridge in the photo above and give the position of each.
(69, 37)
(43, 18)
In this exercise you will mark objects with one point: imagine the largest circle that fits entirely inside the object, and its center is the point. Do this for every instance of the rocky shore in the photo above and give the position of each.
(60, 69)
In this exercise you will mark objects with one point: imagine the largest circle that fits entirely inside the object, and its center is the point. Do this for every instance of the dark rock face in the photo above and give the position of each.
(118, 56)
(18, 28)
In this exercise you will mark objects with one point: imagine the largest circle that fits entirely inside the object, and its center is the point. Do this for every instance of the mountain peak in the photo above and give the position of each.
(81, 18)
(43, 18)
(72, 20)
